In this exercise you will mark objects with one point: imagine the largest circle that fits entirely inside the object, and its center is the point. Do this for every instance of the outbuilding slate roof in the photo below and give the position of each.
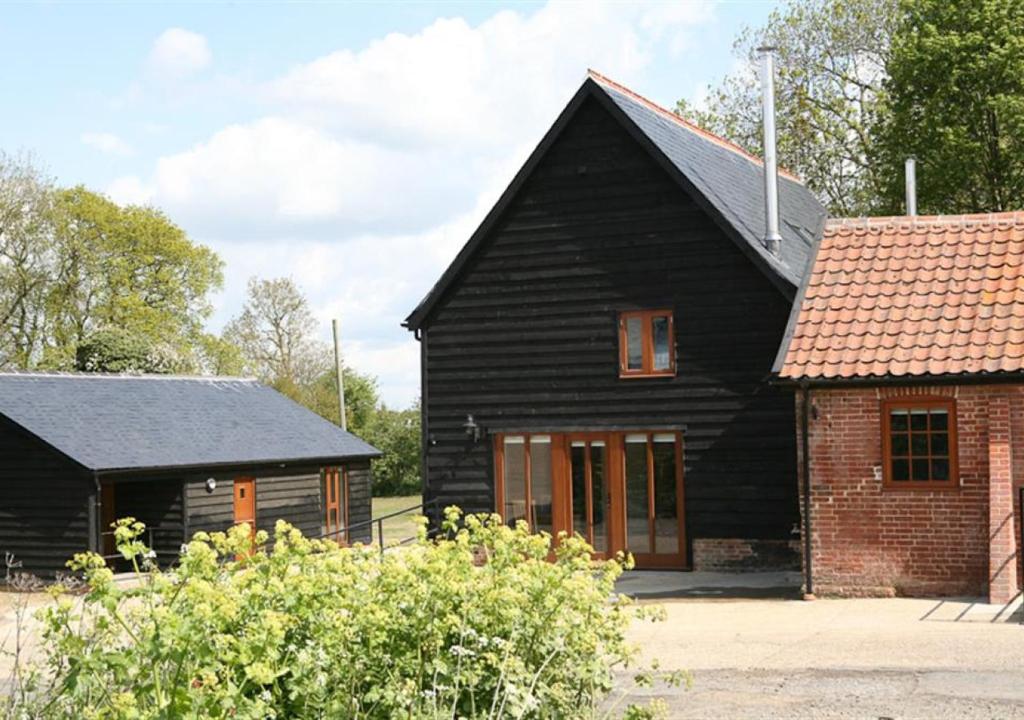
(911, 297)
(137, 422)
(727, 180)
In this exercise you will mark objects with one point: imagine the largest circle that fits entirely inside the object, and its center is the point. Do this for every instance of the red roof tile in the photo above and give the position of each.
(910, 296)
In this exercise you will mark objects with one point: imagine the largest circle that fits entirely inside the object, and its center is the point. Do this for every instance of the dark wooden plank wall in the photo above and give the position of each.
(360, 501)
(44, 513)
(528, 337)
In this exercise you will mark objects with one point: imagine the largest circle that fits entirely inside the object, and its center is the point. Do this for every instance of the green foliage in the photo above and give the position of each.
(361, 398)
(955, 100)
(396, 433)
(306, 629)
(831, 57)
(74, 263)
(120, 351)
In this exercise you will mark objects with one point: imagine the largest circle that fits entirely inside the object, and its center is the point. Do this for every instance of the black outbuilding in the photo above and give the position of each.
(181, 454)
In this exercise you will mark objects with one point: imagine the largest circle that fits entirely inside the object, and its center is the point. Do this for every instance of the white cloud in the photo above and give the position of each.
(365, 171)
(178, 53)
(107, 143)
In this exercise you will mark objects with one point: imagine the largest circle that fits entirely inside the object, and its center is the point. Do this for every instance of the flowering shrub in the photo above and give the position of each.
(305, 629)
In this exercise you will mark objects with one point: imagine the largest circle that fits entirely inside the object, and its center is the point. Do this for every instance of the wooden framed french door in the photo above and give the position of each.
(652, 469)
(621, 491)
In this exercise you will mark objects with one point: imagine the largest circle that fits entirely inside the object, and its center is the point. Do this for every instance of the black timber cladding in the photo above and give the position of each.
(728, 184)
(527, 336)
(45, 513)
(291, 494)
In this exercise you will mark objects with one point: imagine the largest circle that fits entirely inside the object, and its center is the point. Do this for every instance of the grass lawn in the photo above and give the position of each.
(396, 528)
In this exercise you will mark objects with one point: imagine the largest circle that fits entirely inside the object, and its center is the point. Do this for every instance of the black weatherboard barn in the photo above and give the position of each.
(181, 454)
(595, 358)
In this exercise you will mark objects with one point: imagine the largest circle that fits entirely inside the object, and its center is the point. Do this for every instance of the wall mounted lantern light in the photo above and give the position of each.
(471, 428)
(211, 484)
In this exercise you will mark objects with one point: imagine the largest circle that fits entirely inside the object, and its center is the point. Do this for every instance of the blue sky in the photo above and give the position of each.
(353, 146)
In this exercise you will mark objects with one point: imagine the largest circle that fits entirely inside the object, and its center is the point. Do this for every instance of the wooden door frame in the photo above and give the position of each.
(654, 560)
(335, 482)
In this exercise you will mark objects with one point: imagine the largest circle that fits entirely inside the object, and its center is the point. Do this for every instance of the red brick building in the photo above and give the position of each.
(906, 346)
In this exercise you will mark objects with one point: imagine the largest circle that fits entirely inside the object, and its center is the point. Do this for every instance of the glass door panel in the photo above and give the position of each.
(515, 479)
(599, 492)
(638, 527)
(588, 492)
(541, 515)
(666, 498)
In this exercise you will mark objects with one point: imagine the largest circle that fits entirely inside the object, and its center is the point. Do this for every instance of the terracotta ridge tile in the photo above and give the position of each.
(924, 222)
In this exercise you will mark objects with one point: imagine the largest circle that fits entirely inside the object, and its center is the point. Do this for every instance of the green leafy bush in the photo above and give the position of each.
(476, 625)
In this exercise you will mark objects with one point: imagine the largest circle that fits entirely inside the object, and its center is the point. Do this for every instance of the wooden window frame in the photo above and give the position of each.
(926, 403)
(647, 340)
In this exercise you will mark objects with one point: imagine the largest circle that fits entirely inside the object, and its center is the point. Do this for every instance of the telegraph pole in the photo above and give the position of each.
(337, 370)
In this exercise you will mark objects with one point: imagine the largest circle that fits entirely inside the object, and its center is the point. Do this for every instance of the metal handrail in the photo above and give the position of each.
(379, 522)
(149, 539)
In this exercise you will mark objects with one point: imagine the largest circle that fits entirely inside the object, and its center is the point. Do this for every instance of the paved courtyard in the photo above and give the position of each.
(755, 655)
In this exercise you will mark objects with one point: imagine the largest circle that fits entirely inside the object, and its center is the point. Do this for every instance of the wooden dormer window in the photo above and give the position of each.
(647, 345)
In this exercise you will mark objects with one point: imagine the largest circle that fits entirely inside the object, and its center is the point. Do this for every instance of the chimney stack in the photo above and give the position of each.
(911, 180)
(772, 238)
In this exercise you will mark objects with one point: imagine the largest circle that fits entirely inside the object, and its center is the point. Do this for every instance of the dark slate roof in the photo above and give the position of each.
(122, 422)
(728, 180)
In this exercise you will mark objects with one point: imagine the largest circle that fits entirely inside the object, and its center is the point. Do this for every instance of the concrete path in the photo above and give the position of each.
(891, 658)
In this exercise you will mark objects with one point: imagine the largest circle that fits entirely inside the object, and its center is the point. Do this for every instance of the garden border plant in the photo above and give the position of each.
(303, 628)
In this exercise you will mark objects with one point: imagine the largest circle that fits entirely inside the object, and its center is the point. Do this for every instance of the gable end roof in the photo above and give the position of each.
(144, 422)
(722, 177)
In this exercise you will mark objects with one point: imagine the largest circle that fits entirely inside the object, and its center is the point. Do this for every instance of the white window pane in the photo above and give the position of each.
(661, 340)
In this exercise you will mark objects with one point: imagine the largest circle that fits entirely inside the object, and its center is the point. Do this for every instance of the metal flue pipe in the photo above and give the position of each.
(772, 238)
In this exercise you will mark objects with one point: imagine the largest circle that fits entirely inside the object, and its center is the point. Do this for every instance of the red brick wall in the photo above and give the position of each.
(870, 540)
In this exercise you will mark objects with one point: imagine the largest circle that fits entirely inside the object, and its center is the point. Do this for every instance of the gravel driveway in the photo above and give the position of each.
(895, 658)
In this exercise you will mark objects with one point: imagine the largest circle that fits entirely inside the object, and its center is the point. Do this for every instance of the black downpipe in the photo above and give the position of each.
(805, 461)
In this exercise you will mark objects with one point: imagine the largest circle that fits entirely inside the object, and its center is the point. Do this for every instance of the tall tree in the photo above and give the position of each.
(27, 258)
(831, 58)
(276, 338)
(125, 267)
(276, 333)
(955, 100)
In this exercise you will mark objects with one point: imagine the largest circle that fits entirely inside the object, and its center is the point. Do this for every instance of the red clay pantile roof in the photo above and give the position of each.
(912, 296)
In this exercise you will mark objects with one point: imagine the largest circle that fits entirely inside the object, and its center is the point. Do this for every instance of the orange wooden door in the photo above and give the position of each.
(245, 502)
